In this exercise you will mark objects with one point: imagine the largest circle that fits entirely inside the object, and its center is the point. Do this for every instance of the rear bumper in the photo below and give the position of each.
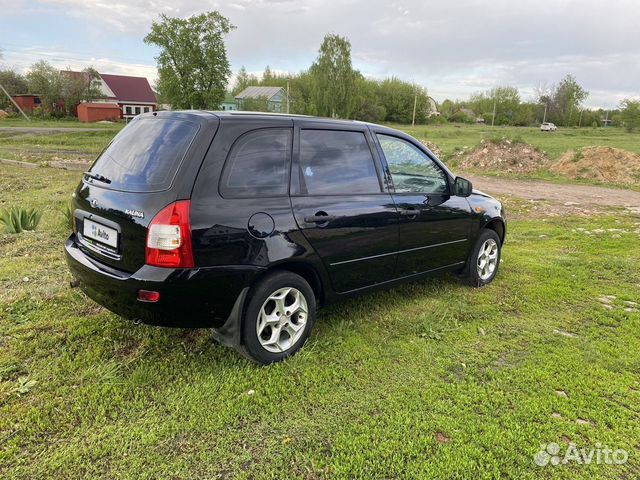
(189, 298)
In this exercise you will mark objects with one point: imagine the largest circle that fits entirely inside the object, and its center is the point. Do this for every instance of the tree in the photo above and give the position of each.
(630, 114)
(243, 80)
(193, 68)
(506, 101)
(45, 81)
(14, 84)
(267, 75)
(333, 78)
(566, 100)
(78, 87)
(398, 97)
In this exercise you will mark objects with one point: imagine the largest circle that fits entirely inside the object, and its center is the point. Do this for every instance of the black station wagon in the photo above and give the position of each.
(246, 222)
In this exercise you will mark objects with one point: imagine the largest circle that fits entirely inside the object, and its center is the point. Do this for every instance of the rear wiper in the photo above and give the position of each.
(98, 177)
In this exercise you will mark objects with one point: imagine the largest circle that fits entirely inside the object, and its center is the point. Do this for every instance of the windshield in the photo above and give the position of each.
(145, 155)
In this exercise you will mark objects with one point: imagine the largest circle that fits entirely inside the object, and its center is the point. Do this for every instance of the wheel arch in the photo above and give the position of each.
(498, 226)
(306, 271)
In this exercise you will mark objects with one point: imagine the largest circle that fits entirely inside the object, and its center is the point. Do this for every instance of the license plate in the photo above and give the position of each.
(100, 233)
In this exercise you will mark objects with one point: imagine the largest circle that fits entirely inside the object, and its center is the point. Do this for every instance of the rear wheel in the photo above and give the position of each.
(278, 318)
(484, 260)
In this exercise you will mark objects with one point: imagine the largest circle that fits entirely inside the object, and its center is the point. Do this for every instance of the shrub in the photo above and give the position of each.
(67, 213)
(18, 219)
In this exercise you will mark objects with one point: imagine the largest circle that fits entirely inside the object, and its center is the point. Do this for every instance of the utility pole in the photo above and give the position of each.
(493, 118)
(287, 95)
(415, 104)
(14, 103)
(580, 121)
(544, 118)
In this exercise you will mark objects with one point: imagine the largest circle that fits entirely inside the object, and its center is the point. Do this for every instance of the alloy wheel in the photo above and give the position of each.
(282, 319)
(487, 259)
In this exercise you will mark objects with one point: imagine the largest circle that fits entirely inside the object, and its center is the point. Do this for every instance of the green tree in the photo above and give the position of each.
(243, 80)
(506, 101)
(566, 99)
(14, 84)
(398, 97)
(193, 68)
(630, 114)
(78, 87)
(333, 78)
(367, 105)
(267, 76)
(45, 81)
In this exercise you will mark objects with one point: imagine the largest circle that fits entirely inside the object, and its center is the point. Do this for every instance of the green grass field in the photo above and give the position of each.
(430, 380)
(453, 137)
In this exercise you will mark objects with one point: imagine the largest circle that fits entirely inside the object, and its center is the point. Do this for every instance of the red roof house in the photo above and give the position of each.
(132, 94)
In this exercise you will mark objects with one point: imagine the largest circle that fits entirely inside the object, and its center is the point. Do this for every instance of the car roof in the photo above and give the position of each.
(292, 116)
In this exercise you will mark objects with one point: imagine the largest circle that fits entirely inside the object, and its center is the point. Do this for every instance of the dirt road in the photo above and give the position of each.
(568, 195)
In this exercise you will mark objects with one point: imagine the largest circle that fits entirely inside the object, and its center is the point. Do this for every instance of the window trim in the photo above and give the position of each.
(392, 186)
(287, 166)
(295, 164)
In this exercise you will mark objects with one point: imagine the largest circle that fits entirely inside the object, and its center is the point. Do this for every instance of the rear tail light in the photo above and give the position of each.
(169, 237)
(148, 296)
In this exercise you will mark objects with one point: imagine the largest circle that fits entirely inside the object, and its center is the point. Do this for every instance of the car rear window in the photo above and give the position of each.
(258, 164)
(145, 155)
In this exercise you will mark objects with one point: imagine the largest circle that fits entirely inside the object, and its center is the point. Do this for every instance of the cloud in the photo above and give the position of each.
(21, 60)
(452, 48)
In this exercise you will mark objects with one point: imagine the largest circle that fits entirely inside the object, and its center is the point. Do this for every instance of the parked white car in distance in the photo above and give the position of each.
(548, 127)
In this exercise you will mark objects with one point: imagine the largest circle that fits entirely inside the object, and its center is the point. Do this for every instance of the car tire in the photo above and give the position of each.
(278, 317)
(484, 260)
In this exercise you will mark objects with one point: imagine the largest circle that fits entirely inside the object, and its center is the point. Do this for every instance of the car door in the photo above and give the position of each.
(342, 206)
(434, 225)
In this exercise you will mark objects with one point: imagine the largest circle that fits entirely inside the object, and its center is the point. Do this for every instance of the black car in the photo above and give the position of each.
(247, 222)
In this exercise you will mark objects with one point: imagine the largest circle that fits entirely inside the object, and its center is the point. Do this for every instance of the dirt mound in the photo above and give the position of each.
(604, 164)
(504, 156)
(433, 147)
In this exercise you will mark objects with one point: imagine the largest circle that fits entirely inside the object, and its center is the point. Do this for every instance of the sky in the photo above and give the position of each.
(452, 48)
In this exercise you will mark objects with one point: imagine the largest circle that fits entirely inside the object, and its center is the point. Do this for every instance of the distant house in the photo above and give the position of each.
(132, 94)
(433, 108)
(229, 103)
(27, 102)
(274, 96)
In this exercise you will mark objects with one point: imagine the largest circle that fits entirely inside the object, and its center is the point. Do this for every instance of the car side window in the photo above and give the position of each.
(411, 169)
(258, 164)
(334, 162)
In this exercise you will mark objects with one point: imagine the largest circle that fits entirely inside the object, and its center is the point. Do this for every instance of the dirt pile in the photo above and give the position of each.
(504, 156)
(604, 164)
(433, 147)
(3, 114)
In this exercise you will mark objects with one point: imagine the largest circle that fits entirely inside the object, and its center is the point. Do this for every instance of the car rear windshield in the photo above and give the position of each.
(145, 155)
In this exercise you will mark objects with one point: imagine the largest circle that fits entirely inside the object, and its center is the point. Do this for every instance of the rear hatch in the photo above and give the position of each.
(150, 164)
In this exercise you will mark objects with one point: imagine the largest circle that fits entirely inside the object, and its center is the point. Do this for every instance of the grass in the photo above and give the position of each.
(432, 379)
(451, 137)
(53, 123)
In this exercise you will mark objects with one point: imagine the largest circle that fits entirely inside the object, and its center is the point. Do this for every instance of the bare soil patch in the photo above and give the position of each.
(505, 156)
(546, 199)
(604, 164)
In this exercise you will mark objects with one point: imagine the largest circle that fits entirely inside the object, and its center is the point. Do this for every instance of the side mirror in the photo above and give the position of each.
(462, 187)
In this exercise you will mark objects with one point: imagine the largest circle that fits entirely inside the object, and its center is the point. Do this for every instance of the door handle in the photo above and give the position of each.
(319, 217)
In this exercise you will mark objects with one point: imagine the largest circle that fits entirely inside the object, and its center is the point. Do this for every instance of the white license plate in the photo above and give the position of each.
(100, 233)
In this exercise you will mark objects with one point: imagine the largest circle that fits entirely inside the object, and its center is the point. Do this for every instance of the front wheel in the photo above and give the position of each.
(484, 260)
(278, 318)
